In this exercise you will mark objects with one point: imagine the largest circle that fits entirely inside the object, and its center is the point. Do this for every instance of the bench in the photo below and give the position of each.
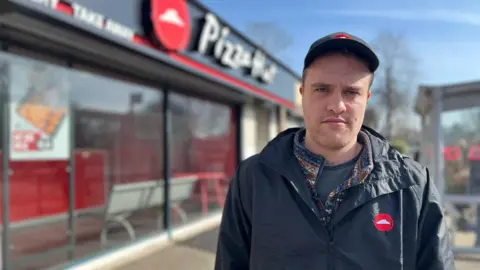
(454, 215)
(126, 199)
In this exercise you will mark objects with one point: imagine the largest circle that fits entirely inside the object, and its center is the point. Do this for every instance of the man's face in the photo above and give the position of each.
(334, 97)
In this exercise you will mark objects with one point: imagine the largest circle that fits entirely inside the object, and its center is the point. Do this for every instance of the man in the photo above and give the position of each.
(334, 195)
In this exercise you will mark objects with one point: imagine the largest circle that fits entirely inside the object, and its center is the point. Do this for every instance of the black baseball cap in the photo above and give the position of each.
(342, 42)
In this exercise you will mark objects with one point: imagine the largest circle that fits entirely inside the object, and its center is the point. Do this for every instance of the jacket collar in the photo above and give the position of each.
(279, 153)
(364, 165)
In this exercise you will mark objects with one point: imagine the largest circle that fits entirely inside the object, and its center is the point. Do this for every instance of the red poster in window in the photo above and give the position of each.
(474, 153)
(451, 153)
(39, 119)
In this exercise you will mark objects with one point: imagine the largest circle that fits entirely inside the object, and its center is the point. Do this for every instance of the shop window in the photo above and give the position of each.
(118, 143)
(4, 83)
(113, 132)
(38, 128)
(116, 140)
(461, 153)
(203, 152)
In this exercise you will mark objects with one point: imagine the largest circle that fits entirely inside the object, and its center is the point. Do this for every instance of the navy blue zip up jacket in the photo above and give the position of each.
(392, 220)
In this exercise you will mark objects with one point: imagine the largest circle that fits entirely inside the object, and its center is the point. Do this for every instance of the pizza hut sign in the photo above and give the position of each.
(231, 54)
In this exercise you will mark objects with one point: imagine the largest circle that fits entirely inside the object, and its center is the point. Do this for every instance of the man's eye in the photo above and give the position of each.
(321, 89)
(352, 93)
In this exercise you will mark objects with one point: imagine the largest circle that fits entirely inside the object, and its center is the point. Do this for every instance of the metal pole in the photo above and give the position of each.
(71, 178)
(438, 141)
(166, 161)
(238, 109)
(5, 106)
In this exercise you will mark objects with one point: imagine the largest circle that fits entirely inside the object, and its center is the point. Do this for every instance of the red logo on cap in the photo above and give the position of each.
(383, 222)
(341, 36)
(171, 23)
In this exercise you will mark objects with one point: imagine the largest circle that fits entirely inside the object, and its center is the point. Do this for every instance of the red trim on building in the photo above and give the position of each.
(215, 73)
(67, 9)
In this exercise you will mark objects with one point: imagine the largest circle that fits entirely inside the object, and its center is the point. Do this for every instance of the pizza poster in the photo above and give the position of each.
(39, 113)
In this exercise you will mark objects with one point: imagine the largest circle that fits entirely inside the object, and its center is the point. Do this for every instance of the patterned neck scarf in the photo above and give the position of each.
(313, 164)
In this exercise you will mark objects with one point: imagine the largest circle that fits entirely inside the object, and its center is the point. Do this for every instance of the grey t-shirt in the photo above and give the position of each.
(333, 176)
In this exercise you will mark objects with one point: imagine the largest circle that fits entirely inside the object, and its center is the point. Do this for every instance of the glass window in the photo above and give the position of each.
(4, 83)
(118, 157)
(117, 145)
(39, 123)
(462, 170)
(115, 130)
(461, 134)
(204, 156)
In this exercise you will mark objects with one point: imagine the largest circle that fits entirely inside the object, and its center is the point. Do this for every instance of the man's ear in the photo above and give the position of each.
(300, 89)
(369, 94)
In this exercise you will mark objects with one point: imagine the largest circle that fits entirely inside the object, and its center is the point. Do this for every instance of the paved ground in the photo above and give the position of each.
(199, 254)
(468, 263)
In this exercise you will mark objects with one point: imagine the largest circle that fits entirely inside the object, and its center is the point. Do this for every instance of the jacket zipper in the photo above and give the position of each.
(330, 237)
(330, 262)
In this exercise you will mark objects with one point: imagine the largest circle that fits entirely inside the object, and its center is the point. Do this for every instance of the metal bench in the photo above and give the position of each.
(126, 199)
(473, 201)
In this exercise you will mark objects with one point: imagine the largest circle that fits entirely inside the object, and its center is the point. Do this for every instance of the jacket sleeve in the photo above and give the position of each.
(233, 248)
(434, 251)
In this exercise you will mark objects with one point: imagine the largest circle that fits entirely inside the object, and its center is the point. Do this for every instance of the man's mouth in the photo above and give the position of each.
(334, 121)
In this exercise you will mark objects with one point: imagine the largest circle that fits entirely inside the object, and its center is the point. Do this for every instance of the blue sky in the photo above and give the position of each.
(442, 35)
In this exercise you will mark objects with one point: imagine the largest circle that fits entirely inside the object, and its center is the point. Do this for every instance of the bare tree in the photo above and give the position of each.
(270, 36)
(371, 118)
(472, 120)
(393, 90)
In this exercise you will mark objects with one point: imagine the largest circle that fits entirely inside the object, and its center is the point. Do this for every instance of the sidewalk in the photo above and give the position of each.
(199, 254)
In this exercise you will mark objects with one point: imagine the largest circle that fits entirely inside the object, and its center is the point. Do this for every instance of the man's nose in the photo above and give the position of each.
(336, 103)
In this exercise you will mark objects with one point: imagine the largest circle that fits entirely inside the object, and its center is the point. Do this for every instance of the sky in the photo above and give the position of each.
(440, 35)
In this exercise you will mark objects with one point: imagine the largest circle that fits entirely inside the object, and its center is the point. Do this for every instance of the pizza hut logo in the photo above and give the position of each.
(171, 26)
(383, 222)
(171, 23)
